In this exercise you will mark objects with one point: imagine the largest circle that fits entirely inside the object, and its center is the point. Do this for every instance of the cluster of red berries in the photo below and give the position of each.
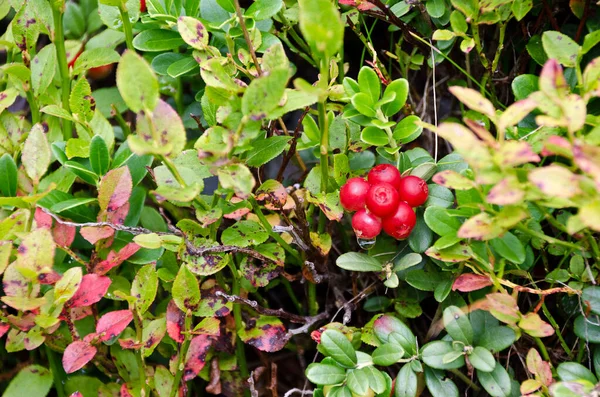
(384, 200)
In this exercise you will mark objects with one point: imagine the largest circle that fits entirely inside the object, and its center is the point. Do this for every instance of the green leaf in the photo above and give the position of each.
(407, 130)
(357, 381)
(439, 385)
(407, 261)
(325, 374)
(561, 47)
(264, 9)
(374, 136)
(433, 355)
(182, 66)
(99, 156)
(265, 150)
(36, 153)
(520, 8)
(571, 371)
(591, 297)
(68, 284)
(388, 354)
(237, 177)
(8, 176)
(43, 68)
(400, 88)
(82, 172)
(390, 329)
(186, 291)
(497, 338)
(137, 83)
(81, 101)
(457, 325)
(94, 58)
(155, 40)
(159, 131)
(193, 32)
(144, 287)
(358, 262)
(496, 383)
(369, 83)
(436, 8)
(321, 26)
(338, 347)
(264, 94)
(590, 41)
(439, 220)
(509, 247)
(406, 383)
(33, 380)
(482, 360)
(244, 233)
(364, 104)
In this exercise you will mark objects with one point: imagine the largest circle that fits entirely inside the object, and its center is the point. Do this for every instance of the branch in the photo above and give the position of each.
(294, 318)
(389, 16)
(192, 250)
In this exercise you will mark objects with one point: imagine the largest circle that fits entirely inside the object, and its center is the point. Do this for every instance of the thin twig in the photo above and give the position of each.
(294, 318)
(238, 12)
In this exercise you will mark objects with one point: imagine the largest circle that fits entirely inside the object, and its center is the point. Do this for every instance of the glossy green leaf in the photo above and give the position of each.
(325, 374)
(509, 247)
(8, 176)
(497, 383)
(433, 355)
(154, 40)
(265, 150)
(388, 354)
(338, 347)
(99, 155)
(457, 325)
(137, 83)
(358, 262)
(482, 360)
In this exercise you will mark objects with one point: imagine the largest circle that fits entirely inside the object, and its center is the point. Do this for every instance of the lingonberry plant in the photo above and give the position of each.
(312, 197)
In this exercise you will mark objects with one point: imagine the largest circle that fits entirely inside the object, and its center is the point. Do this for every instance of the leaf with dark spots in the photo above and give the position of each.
(154, 331)
(208, 326)
(115, 259)
(48, 278)
(113, 323)
(175, 322)
(196, 356)
(206, 264)
(35, 255)
(126, 390)
(130, 344)
(115, 189)
(267, 334)
(93, 288)
(76, 355)
(258, 273)
(3, 329)
(93, 234)
(118, 216)
(212, 305)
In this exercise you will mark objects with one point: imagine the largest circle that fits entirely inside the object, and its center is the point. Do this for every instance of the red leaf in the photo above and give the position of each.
(115, 259)
(175, 322)
(470, 282)
(42, 219)
(196, 356)
(113, 323)
(118, 216)
(129, 344)
(79, 313)
(49, 278)
(76, 355)
(267, 334)
(3, 329)
(125, 391)
(93, 287)
(93, 234)
(76, 394)
(64, 234)
(115, 189)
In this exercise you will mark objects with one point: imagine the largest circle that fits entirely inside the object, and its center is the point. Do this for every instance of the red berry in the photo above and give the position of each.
(413, 190)
(142, 5)
(401, 223)
(71, 63)
(384, 173)
(382, 199)
(100, 72)
(366, 225)
(353, 194)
